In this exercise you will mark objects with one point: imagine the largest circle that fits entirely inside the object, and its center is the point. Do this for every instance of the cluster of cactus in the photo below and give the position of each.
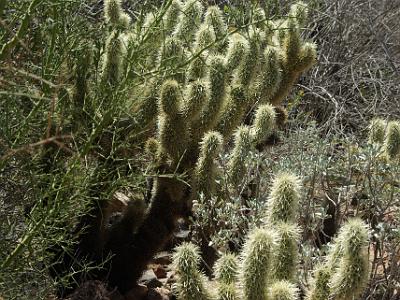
(205, 77)
(268, 265)
(386, 135)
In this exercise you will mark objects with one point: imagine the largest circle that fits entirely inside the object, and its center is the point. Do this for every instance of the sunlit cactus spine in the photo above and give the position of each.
(299, 11)
(283, 290)
(269, 77)
(264, 122)
(196, 95)
(236, 166)
(191, 284)
(210, 147)
(351, 276)
(226, 274)
(216, 81)
(285, 262)
(189, 21)
(255, 264)
(320, 289)
(214, 18)
(173, 133)
(392, 140)
(233, 111)
(284, 199)
(377, 129)
(172, 15)
(114, 14)
(204, 37)
(113, 59)
(238, 47)
(247, 70)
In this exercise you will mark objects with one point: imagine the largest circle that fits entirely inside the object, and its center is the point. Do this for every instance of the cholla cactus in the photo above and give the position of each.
(392, 140)
(114, 14)
(284, 197)
(351, 275)
(283, 290)
(256, 262)
(191, 284)
(268, 264)
(113, 59)
(226, 274)
(377, 131)
(204, 79)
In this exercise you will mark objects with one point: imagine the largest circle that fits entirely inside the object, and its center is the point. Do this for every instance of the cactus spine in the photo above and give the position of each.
(191, 284)
(392, 140)
(377, 131)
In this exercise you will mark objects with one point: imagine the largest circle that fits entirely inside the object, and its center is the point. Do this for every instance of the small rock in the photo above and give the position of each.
(150, 279)
(163, 258)
(137, 293)
(159, 271)
(158, 294)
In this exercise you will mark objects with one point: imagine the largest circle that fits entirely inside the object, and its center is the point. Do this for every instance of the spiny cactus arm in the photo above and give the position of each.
(227, 291)
(320, 289)
(172, 127)
(255, 264)
(377, 129)
(226, 275)
(172, 15)
(191, 284)
(194, 100)
(285, 262)
(215, 19)
(233, 111)
(190, 20)
(295, 57)
(283, 290)
(226, 268)
(299, 11)
(238, 47)
(210, 147)
(264, 123)
(352, 273)
(236, 164)
(392, 140)
(145, 112)
(284, 199)
(269, 78)
(114, 14)
(307, 57)
(172, 55)
(217, 85)
(245, 74)
(204, 37)
(113, 57)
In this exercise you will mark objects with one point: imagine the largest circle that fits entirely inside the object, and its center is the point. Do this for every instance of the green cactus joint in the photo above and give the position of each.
(255, 264)
(172, 15)
(285, 262)
(191, 284)
(238, 47)
(283, 290)
(377, 129)
(320, 287)
(226, 268)
(214, 18)
(115, 15)
(233, 111)
(264, 123)
(392, 140)
(351, 275)
(284, 199)
(114, 55)
(236, 166)
(210, 146)
(190, 20)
